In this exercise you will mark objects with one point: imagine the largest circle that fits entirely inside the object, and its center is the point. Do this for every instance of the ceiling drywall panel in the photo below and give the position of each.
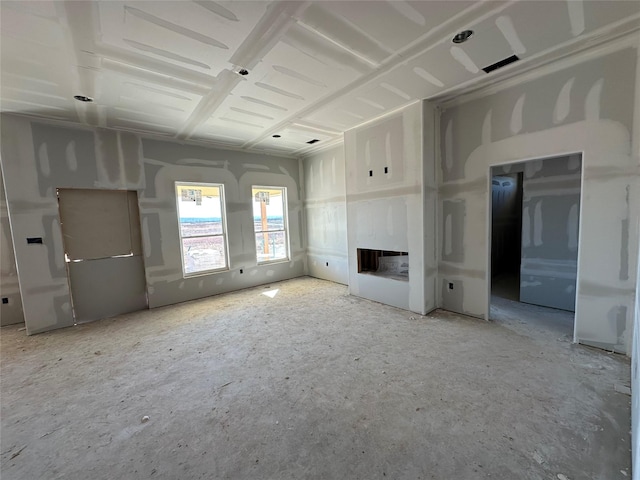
(197, 35)
(172, 67)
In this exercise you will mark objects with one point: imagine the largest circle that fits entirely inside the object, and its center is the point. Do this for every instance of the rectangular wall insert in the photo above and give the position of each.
(384, 263)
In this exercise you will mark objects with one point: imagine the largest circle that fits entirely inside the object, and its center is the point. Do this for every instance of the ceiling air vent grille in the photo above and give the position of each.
(501, 63)
(311, 142)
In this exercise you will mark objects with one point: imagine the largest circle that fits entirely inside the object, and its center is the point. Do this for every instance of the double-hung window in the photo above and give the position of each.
(203, 236)
(270, 223)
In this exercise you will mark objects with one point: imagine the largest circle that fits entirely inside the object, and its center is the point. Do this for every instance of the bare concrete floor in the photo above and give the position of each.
(309, 384)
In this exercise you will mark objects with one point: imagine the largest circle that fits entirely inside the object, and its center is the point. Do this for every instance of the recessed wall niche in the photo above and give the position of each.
(384, 263)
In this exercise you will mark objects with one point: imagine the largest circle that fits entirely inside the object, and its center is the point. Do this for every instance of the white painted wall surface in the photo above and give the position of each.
(37, 158)
(325, 207)
(588, 108)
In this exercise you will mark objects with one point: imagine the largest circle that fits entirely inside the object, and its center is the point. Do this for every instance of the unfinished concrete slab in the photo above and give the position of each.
(299, 380)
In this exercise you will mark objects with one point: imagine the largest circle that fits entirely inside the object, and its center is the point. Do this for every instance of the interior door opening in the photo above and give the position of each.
(103, 252)
(535, 209)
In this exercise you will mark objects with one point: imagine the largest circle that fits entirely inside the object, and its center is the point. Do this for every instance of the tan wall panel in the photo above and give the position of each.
(95, 223)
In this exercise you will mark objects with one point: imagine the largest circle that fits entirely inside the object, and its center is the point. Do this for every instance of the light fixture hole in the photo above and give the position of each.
(243, 72)
(82, 98)
(276, 136)
(462, 36)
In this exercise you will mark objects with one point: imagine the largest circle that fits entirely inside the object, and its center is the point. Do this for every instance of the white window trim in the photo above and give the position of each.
(223, 213)
(285, 215)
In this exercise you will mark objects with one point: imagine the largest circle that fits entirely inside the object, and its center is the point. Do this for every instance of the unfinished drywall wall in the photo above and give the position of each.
(550, 211)
(587, 107)
(11, 311)
(39, 157)
(550, 216)
(635, 378)
(390, 205)
(325, 207)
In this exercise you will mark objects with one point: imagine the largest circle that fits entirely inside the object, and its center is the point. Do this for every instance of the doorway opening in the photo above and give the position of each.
(534, 215)
(103, 252)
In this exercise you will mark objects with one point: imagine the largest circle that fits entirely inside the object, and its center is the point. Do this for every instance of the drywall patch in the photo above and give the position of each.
(526, 227)
(61, 307)
(576, 16)
(532, 167)
(600, 290)
(624, 250)
(592, 102)
(455, 210)
(70, 155)
(107, 156)
(448, 146)
(131, 154)
(617, 318)
(505, 25)
(537, 224)
(486, 128)
(151, 229)
(58, 249)
(516, 115)
(478, 186)
(563, 103)
(461, 57)
(53, 241)
(43, 160)
(150, 172)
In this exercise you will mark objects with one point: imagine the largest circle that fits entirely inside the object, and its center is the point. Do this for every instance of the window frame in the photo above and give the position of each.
(225, 239)
(285, 219)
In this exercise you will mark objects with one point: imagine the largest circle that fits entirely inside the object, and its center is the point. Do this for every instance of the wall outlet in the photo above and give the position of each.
(5, 300)
(327, 264)
(34, 240)
(241, 270)
(371, 173)
(386, 169)
(450, 286)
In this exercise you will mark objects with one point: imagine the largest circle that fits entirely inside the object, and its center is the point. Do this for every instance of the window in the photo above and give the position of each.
(270, 223)
(202, 227)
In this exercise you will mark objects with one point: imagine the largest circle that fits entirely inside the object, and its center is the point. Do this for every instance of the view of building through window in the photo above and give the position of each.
(202, 227)
(270, 223)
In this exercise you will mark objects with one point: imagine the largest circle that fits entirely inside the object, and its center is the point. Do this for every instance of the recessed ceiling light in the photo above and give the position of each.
(462, 36)
(311, 142)
(82, 98)
(243, 72)
(276, 136)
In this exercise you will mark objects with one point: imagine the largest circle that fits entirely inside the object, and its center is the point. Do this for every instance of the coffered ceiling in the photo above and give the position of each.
(315, 69)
